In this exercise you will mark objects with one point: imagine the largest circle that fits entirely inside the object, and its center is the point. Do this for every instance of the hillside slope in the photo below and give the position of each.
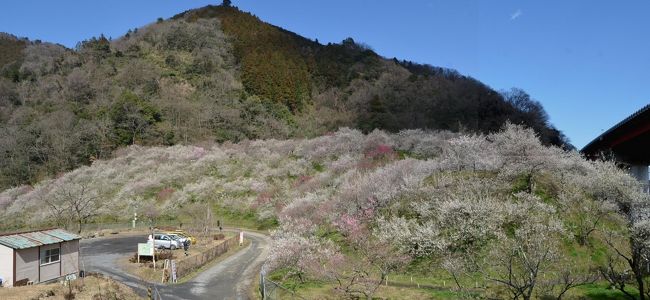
(220, 74)
(350, 209)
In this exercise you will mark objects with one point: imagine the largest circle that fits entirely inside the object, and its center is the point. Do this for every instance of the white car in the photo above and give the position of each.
(166, 241)
(178, 237)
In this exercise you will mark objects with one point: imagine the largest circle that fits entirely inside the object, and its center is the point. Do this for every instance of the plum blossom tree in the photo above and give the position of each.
(470, 152)
(375, 258)
(518, 259)
(522, 154)
(629, 259)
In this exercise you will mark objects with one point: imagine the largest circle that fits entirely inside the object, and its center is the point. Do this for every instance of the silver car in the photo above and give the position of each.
(166, 241)
(178, 237)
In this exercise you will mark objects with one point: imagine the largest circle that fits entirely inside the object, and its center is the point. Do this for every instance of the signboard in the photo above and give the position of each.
(71, 277)
(241, 238)
(173, 271)
(145, 249)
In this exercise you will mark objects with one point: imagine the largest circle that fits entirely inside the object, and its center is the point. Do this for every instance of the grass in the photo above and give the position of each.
(321, 290)
(327, 291)
(239, 219)
(600, 291)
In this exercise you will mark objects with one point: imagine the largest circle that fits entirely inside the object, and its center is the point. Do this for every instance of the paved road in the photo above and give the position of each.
(229, 279)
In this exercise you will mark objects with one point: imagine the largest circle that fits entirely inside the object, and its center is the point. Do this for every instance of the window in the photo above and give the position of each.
(50, 255)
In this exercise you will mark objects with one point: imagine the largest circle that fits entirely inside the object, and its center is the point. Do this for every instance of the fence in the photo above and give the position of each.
(92, 227)
(194, 262)
(271, 290)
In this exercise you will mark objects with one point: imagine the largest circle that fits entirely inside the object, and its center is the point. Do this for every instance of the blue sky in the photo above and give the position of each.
(586, 61)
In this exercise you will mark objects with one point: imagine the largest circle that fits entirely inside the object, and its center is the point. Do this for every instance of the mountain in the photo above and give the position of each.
(218, 74)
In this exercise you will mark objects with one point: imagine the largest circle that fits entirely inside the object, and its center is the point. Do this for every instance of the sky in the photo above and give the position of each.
(585, 61)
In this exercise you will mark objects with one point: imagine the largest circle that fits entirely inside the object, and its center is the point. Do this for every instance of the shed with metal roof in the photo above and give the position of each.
(38, 256)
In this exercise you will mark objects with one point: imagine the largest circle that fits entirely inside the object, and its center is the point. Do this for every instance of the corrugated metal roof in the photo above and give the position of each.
(18, 242)
(36, 238)
(42, 238)
(62, 234)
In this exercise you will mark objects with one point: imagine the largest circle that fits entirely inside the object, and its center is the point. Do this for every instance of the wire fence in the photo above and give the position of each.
(271, 290)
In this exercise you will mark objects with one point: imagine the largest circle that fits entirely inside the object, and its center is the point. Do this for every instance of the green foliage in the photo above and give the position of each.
(318, 167)
(133, 118)
(272, 65)
(99, 47)
(246, 218)
(600, 291)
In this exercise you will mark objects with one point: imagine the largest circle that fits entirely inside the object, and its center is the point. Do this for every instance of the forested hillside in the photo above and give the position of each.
(220, 74)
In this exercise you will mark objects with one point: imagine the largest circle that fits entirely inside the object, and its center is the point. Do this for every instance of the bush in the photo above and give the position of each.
(219, 236)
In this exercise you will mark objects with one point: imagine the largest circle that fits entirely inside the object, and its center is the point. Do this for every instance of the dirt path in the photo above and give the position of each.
(229, 279)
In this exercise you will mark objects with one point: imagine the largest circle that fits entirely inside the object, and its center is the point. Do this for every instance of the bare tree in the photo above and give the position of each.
(618, 274)
(571, 275)
(201, 216)
(75, 202)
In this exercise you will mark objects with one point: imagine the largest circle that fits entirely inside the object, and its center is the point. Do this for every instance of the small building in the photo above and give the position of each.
(38, 256)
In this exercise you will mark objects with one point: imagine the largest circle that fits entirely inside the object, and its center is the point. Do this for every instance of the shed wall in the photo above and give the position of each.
(27, 264)
(70, 257)
(51, 270)
(7, 265)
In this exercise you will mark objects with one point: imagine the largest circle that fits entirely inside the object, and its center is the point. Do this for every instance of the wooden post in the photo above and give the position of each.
(153, 246)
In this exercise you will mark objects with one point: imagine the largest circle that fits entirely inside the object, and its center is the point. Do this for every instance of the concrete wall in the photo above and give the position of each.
(27, 264)
(70, 257)
(7, 266)
(51, 270)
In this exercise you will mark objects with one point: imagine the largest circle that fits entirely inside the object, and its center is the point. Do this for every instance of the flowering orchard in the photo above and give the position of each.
(353, 209)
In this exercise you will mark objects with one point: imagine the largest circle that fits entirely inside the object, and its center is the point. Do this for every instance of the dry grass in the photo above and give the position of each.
(89, 288)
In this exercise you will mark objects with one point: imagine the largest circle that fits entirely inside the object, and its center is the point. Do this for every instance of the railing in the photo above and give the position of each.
(271, 290)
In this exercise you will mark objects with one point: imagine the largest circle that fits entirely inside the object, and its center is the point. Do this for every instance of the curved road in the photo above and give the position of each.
(229, 279)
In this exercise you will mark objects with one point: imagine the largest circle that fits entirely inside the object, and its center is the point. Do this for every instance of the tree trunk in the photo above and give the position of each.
(639, 281)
